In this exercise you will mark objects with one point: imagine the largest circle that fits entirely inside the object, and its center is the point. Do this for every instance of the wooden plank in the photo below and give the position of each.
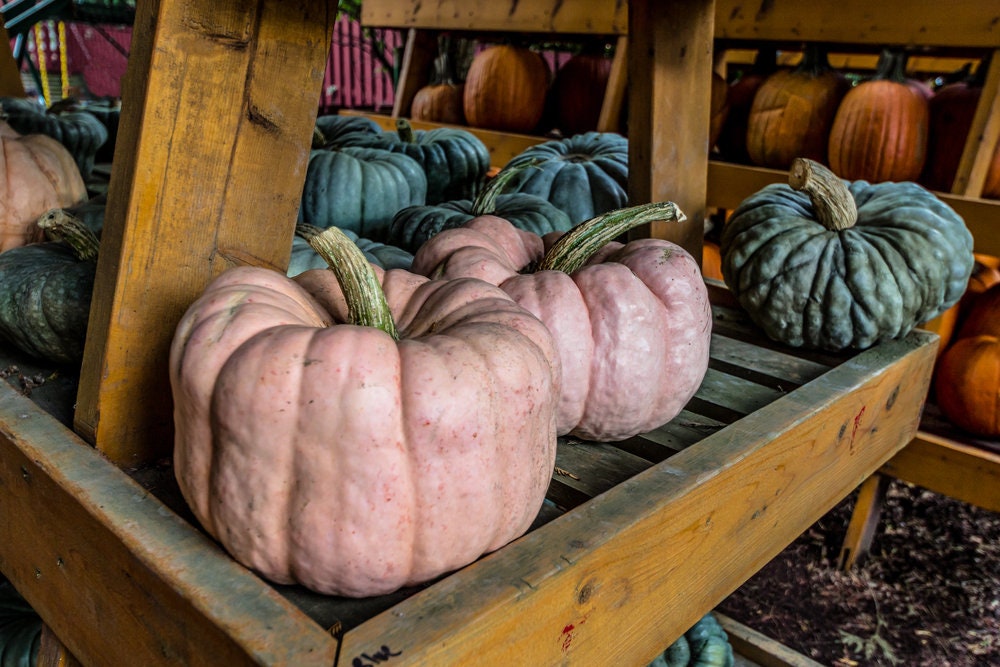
(669, 102)
(220, 95)
(547, 16)
(864, 521)
(610, 119)
(984, 132)
(414, 73)
(736, 393)
(759, 648)
(119, 578)
(786, 371)
(729, 184)
(623, 575)
(10, 75)
(919, 23)
(502, 145)
(958, 470)
(52, 653)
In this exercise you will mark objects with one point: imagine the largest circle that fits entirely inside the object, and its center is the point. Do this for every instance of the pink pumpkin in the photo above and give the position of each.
(632, 322)
(333, 455)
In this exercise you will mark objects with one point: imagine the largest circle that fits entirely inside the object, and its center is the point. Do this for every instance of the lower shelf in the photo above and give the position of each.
(636, 540)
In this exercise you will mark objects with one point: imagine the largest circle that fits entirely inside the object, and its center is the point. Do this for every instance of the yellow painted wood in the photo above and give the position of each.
(548, 16)
(610, 119)
(620, 577)
(501, 145)
(984, 132)
(414, 73)
(118, 577)
(950, 467)
(212, 150)
(10, 75)
(669, 107)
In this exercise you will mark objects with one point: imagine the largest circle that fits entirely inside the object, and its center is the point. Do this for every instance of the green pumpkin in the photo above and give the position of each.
(830, 264)
(584, 175)
(45, 291)
(304, 258)
(360, 189)
(706, 644)
(81, 133)
(336, 131)
(454, 160)
(20, 628)
(413, 225)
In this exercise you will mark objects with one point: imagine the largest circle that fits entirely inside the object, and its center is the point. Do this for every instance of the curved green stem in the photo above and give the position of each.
(580, 243)
(61, 225)
(366, 302)
(832, 202)
(486, 202)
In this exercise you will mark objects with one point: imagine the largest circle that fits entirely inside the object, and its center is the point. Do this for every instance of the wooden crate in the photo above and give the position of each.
(635, 542)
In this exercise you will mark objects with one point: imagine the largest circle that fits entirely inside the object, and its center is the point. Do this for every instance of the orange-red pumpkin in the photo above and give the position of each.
(577, 92)
(37, 173)
(505, 89)
(732, 140)
(441, 100)
(950, 116)
(793, 110)
(880, 130)
(967, 384)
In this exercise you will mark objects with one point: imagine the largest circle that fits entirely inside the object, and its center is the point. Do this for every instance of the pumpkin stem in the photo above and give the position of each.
(318, 138)
(366, 303)
(832, 201)
(61, 225)
(486, 202)
(578, 244)
(891, 66)
(405, 131)
(815, 60)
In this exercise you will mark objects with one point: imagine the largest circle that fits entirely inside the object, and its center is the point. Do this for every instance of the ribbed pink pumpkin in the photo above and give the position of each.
(632, 322)
(332, 455)
(37, 173)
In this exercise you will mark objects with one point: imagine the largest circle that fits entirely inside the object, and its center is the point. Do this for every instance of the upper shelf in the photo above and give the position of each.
(967, 23)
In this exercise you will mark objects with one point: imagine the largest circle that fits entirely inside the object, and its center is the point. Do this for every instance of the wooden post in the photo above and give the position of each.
(983, 136)
(221, 100)
(610, 119)
(421, 47)
(10, 75)
(670, 70)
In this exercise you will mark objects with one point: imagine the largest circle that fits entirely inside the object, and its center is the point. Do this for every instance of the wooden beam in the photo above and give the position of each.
(670, 70)
(208, 174)
(984, 132)
(418, 54)
(10, 75)
(610, 119)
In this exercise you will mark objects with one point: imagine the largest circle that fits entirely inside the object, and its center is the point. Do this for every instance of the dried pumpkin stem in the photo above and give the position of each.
(486, 202)
(61, 225)
(366, 302)
(832, 202)
(577, 245)
(405, 131)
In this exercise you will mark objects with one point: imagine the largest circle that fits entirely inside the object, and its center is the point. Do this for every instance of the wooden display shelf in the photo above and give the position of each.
(635, 542)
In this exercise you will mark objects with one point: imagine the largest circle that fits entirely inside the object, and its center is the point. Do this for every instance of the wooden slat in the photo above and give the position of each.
(119, 578)
(595, 467)
(864, 521)
(414, 73)
(610, 119)
(590, 586)
(786, 371)
(548, 16)
(984, 132)
(736, 393)
(671, 46)
(208, 174)
(10, 75)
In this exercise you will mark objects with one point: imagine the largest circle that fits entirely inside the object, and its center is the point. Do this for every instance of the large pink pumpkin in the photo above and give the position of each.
(331, 455)
(632, 322)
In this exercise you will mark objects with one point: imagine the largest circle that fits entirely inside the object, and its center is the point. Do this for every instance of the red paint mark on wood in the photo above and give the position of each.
(567, 636)
(857, 422)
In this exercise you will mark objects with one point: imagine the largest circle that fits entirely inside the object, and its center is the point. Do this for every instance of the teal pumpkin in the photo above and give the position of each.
(45, 291)
(20, 628)
(360, 189)
(454, 160)
(81, 133)
(584, 175)
(831, 264)
(304, 257)
(413, 225)
(706, 644)
(336, 131)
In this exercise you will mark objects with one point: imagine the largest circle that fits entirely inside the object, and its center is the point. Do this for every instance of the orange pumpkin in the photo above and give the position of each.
(711, 260)
(793, 110)
(968, 384)
(505, 89)
(985, 274)
(37, 173)
(577, 92)
(880, 130)
(719, 108)
(441, 100)
(732, 140)
(951, 111)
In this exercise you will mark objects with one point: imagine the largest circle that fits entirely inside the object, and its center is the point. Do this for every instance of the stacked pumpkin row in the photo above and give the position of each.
(888, 127)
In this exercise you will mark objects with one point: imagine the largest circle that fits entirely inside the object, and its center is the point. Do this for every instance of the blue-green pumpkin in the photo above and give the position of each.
(81, 133)
(706, 644)
(585, 175)
(20, 628)
(360, 189)
(829, 264)
(336, 131)
(304, 258)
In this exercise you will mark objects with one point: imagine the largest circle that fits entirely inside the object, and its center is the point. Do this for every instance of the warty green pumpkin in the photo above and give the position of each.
(360, 189)
(354, 437)
(46, 288)
(584, 175)
(632, 322)
(829, 264)
(706, 644)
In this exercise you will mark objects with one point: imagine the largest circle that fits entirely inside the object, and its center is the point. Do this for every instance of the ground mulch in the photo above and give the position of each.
(928, 593)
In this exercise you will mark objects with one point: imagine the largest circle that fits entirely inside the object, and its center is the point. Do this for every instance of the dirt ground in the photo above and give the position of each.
(927, 595)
